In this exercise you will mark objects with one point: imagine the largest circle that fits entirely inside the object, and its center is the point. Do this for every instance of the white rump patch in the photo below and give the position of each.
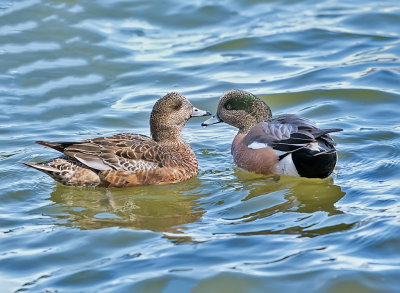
(286, 165)
(257, 145)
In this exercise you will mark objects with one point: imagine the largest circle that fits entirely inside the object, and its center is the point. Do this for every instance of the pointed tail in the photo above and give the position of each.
(58, 146)
(41, 167)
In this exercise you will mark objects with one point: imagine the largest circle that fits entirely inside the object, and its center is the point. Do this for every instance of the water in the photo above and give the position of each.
(71, 70)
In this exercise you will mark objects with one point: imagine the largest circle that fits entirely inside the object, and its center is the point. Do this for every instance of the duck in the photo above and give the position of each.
(129, 159)
(287, 144)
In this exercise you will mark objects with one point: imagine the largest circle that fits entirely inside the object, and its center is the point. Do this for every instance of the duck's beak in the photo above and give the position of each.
(199, 113)
(213, 120)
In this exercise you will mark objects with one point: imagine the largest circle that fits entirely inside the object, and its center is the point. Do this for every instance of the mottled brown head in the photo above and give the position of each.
(240, 109)
(169, 116)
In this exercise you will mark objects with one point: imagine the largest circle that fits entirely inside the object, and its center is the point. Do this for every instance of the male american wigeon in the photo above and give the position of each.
(130, 159)
(287, 144)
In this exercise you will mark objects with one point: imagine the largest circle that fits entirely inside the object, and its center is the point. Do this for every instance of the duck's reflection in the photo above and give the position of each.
(304, 206)
(156, 208)
(247, 204)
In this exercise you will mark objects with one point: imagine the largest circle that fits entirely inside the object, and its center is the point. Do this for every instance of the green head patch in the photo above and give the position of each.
(243, 101)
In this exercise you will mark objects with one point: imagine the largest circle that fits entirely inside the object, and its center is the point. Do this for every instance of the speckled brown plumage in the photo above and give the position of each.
(130, 159)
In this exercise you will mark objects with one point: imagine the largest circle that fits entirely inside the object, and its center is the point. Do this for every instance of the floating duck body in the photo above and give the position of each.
(130, 159)
(286, 145)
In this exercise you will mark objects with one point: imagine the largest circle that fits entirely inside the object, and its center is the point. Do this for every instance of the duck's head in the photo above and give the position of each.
(169, 116)
(240, 109)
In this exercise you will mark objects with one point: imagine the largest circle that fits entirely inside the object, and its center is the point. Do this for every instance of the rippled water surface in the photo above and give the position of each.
(71, 70)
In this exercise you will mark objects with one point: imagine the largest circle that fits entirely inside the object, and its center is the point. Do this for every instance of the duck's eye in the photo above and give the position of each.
(228, 107)
(177, 106)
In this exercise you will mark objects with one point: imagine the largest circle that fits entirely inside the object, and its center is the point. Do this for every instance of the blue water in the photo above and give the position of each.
(71, 70)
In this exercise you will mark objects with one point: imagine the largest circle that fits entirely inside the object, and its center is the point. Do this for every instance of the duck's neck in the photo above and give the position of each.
(245, 128)
(244, 125)
(167, 135)
(166, 139)
(259, 114)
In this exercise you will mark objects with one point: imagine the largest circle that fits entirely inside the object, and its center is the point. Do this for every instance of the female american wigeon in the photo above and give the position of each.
(288, 144)
(130, 159)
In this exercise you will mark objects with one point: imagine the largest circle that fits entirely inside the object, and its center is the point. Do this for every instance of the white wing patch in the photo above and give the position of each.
(258, 145)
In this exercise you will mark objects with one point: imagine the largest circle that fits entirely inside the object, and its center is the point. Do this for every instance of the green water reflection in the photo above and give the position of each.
(154, 208)
(308, 205)
(301, 195)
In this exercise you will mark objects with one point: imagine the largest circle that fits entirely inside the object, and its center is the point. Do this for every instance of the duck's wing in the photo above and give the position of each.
(128, 152)
(306, 125)
(288, 133)
(283, 137)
